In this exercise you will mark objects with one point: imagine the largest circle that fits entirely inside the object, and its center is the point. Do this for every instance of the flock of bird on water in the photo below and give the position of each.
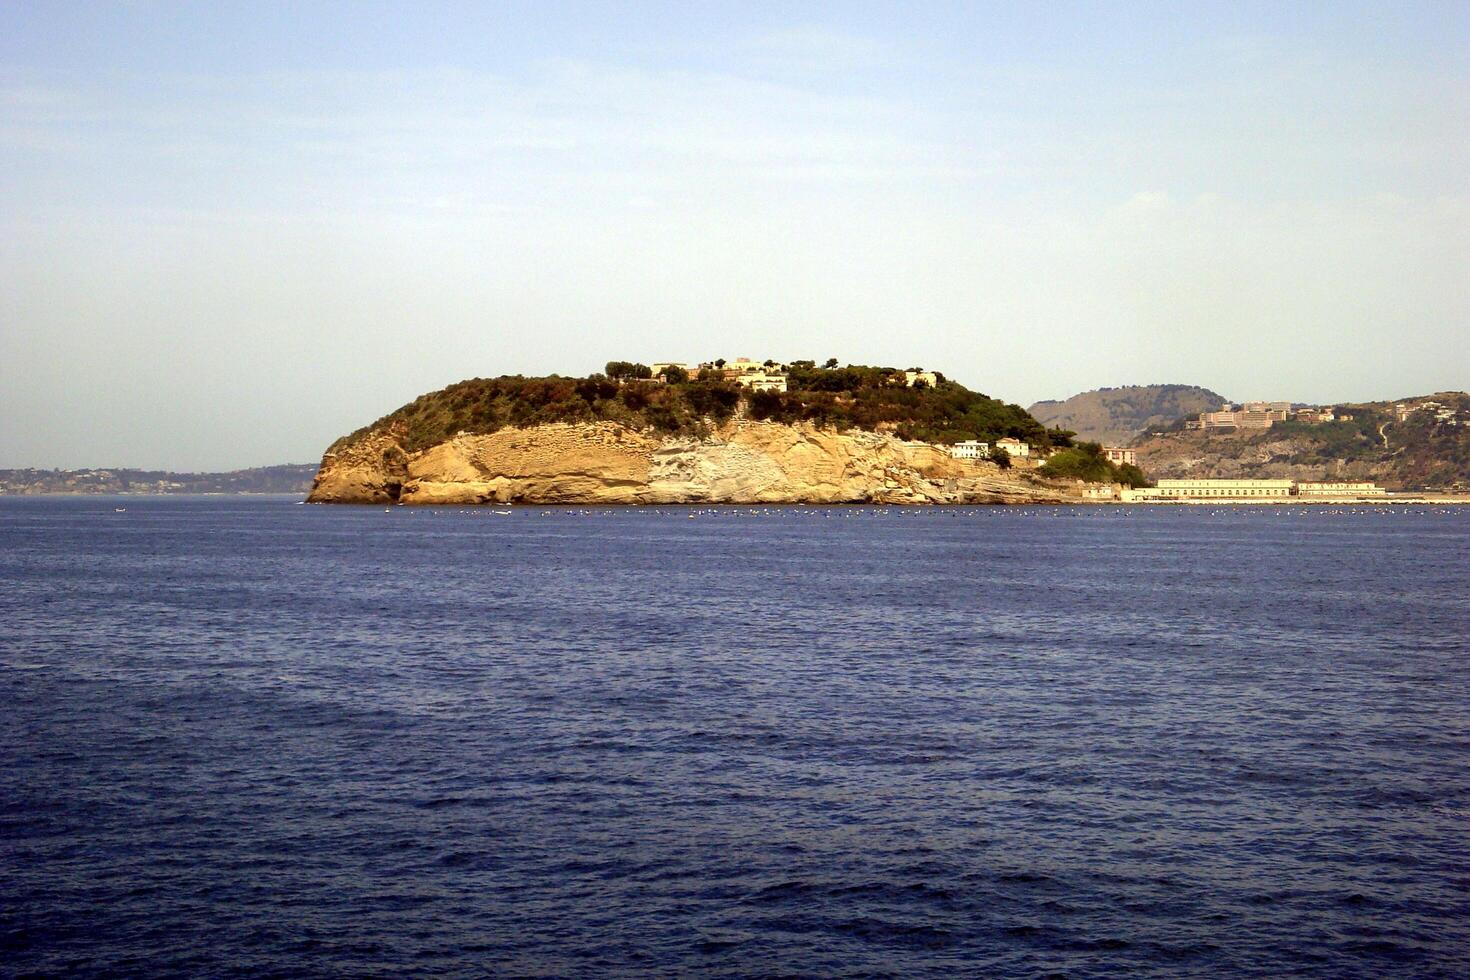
(869, 510)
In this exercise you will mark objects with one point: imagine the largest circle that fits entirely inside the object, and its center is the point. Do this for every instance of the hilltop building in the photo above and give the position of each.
(1251, 415)
(1120, 456)
(761, 381)
(911, 378)
(1442, 413)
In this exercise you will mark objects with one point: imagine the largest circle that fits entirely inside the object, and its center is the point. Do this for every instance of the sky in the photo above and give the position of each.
(231, 232)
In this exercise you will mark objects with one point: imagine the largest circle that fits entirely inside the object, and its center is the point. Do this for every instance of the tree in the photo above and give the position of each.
(1001, 457)
(622, 370)
(831, 363)
(675, 375)
(1131, 476)
(635, 396)
(1060, 438)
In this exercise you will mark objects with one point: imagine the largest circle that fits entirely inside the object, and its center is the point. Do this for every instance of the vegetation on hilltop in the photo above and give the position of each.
(858, 397)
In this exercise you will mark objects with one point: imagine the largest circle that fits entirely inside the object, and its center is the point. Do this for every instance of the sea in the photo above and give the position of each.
(245, 737)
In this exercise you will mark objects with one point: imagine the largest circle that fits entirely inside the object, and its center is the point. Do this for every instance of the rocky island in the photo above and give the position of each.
(722, 432)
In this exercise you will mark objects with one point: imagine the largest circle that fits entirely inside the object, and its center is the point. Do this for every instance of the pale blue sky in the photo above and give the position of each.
(231, 232)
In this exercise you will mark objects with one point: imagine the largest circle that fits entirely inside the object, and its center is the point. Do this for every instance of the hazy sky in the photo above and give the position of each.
(232, 232)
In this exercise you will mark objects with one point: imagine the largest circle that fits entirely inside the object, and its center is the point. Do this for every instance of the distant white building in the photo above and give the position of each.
(1013, 447)
(1221, 490)
(1120, 456)
(970, 449)
(1364, 489)
(762, 381)
(912, 378)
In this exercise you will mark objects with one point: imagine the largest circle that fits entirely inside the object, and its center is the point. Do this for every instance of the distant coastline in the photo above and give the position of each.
(100, 481)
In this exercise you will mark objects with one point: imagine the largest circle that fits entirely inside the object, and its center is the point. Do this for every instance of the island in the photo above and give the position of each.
(736, 431)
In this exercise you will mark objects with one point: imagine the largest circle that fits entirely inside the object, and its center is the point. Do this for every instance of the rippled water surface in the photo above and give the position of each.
(247, 737)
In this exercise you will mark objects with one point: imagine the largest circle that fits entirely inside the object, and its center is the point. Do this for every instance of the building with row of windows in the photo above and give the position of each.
(1339, 490)
(1251, 415)
(1226, 491)
(973, 449)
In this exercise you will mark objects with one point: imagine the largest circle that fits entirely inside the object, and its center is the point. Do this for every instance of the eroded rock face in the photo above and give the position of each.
(372, 470)
(604, 463)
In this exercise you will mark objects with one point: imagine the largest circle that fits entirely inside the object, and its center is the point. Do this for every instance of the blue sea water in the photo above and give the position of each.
(242, 737)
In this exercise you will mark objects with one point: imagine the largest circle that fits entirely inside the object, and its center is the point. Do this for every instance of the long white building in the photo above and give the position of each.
(1339, 490)
(970, 449)
(1213, 490)
(1226, 491)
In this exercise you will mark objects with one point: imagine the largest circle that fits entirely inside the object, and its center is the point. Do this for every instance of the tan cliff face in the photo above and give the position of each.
(605, 463)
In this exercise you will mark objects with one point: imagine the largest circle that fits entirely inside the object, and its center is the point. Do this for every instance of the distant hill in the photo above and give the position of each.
(287, 478)
(1416, 443)
(1116, 416)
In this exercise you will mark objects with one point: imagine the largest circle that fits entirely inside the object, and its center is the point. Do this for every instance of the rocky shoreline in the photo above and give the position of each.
(741, 462)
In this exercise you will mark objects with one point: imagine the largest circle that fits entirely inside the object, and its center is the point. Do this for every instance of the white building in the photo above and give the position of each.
(1120, 456)
(1339, 490)
(912, 378)
(970, 449)
(762, 381)
(1222, 490)
(1013, 447)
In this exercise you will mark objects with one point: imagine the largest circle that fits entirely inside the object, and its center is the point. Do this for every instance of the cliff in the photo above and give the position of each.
(1116, 416)
(738, 462)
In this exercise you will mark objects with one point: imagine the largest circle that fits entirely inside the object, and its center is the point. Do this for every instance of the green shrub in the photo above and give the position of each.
(856, 397)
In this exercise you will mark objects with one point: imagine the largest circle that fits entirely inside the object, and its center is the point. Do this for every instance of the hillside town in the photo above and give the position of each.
(1263, 415)
(1431, 409)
